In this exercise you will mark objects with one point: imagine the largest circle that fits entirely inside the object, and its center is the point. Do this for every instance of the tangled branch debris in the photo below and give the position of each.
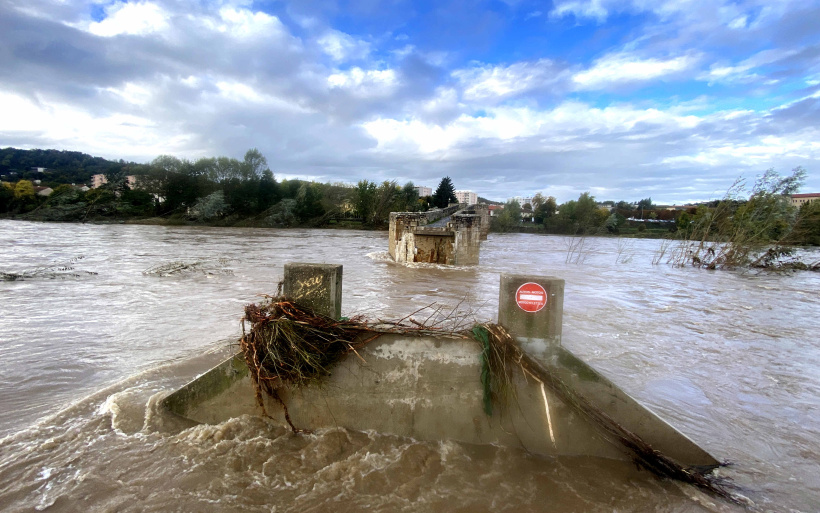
(291, 346)
(56, 270)
(209, 266)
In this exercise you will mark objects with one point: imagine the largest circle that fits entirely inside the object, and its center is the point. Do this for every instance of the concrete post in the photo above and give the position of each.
(532, 308)
(316, 286)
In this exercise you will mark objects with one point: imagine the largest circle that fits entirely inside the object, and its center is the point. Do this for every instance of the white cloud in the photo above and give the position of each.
(342, 47)
(138, 18)
(596, 9)
(707, 15)
(131, 93)
(244, 23)
(739, 22)
(599, 10)
(239, 92)
(562, 128)
(68, 126)
(496, 82)
(742, 71)
(365, 83)
(242, 95)
(445, 99)
(148, 18)
(619, 68)
(729, 73)
(411, 135)
(755, 153)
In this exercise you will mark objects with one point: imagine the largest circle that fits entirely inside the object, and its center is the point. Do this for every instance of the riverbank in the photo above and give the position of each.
(181, 220)
(652, 232)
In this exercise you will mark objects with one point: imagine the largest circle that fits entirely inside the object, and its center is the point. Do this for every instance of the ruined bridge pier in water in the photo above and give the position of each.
(429, 387)
(433, 237)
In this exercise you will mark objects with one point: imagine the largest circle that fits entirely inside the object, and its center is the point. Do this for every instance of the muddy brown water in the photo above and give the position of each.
(730, 359)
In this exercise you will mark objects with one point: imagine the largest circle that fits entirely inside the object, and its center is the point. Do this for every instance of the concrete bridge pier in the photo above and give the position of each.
(413, 238)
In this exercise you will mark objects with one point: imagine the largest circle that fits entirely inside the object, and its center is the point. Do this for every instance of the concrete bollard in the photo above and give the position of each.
(531, 308)
(315, 286)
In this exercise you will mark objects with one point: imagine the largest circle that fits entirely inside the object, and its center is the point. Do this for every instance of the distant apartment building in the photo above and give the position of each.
(468, 197)
(798, 200)
(424, 191)
(522, 200)
(99, 180)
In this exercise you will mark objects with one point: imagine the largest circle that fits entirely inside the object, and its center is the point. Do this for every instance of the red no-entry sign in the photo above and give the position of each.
(531, 297)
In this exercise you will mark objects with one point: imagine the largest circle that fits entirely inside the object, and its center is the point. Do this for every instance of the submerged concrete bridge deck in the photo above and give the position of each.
(429, 387)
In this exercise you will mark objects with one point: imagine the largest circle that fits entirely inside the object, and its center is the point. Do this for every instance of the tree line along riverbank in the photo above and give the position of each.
(223, 191)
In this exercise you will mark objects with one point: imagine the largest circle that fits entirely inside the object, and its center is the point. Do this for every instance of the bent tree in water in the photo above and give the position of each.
(737, 231)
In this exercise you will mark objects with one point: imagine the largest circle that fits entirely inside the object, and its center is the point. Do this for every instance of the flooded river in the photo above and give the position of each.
(732, 360)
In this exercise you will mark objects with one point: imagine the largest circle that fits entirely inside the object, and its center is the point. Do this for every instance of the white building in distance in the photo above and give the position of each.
(424, 191)
(522, 200)
(799, 199)
(468, 197)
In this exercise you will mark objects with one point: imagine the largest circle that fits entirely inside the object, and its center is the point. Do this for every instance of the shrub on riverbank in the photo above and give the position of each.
(757, 232)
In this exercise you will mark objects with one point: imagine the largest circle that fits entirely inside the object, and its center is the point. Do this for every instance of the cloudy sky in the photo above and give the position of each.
(672, 99)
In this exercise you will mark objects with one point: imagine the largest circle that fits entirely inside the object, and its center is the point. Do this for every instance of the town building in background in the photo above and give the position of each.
(522, 200)
(798, 200)
(468, 197)
(424, 191)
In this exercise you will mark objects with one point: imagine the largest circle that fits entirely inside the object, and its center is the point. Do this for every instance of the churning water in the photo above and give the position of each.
(730, 359)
